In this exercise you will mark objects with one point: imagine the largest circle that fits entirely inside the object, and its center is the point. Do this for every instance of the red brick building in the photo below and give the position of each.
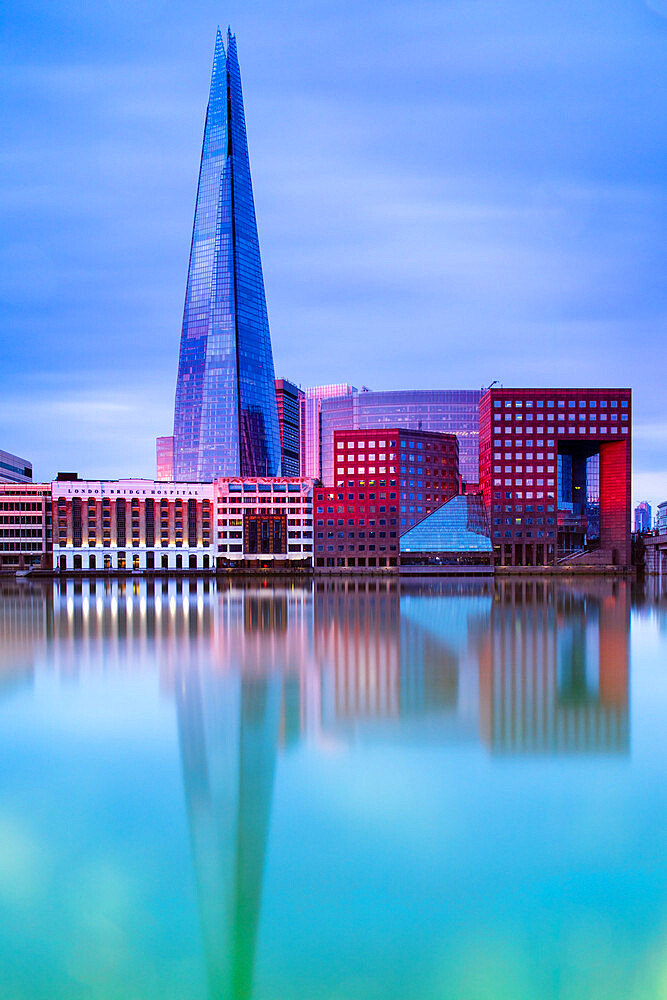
(555, 474)
(386, 481)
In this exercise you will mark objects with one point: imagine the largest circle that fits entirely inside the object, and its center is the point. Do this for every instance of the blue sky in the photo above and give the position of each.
(447, 193)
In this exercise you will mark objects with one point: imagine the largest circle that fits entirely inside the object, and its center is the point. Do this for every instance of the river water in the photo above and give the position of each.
(340, 790)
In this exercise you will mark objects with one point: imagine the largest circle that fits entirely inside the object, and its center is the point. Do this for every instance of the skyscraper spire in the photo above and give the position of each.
(225, 417)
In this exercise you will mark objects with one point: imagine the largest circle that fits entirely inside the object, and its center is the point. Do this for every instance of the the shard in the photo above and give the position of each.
(225, 417)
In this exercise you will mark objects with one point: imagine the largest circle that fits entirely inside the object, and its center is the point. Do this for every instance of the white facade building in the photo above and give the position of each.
(260, 520)
(145, 526)
(132, 524)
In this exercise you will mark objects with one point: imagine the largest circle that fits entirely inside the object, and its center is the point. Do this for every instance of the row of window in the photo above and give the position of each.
(351, 535)
(238, 548)
(361, 443)
(360, 522)
(372, 483)
(358, 548)
(558, 404)
(20, 547)
(523, 520)
(528, 507)
(273, 501)
(20, 533)
(574, 425)
(19, 505)
(519, 534)
(263, 488)
(514, 450)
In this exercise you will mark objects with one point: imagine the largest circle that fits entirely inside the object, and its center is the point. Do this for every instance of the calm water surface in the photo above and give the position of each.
(346, 791)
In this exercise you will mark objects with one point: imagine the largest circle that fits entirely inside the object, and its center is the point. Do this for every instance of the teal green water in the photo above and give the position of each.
(346, 791)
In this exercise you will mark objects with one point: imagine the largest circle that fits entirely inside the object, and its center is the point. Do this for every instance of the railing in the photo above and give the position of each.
(573, 553)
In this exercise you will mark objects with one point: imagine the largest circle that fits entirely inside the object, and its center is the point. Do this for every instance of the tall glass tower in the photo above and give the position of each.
(225, 417)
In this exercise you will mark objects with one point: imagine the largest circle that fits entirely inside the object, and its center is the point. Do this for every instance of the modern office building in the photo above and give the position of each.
(25, 526)
(264, 523)
(450, 411)
(164, 447)
(225, 418)
(14, 469)
(656, 545)
(310, 425)
(288, 397)
(132, 524)
(661, 518)
(643, 517)
(386, 480)
(555, 473)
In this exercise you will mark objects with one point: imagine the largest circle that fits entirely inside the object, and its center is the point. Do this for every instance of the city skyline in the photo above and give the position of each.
(579, 307)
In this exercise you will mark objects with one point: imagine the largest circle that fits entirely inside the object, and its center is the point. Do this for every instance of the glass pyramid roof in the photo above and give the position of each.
(459, 525)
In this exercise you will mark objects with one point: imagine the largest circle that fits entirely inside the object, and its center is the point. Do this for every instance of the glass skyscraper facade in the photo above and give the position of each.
(452, 411)
(225, 417)
(310, 427)
(288, 397)
(14, 469)
(643, 516)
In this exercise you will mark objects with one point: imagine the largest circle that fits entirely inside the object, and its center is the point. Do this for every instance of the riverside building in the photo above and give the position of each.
(145, 526)
(386, 480)
(264, 523)
(555, 474)
(25, 526)
(132, 524)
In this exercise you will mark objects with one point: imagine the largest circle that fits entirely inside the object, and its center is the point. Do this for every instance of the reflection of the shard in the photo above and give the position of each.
(554, 668)
(228, 727)
(528, 667)
(234, 709)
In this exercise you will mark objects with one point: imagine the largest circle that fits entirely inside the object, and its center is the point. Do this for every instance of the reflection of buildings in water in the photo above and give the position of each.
(539, 666)
(238, 662)
(440, 628)
(650, 599)
(26, 625)
(532, 666)
(357, 648)
(228, 728)
(554, 672)
(387, 656)
(115, 624)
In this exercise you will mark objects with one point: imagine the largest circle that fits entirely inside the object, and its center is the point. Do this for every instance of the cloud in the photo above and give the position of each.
(650, 432)
(487, 212)
(657, 7)
(98, 432)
